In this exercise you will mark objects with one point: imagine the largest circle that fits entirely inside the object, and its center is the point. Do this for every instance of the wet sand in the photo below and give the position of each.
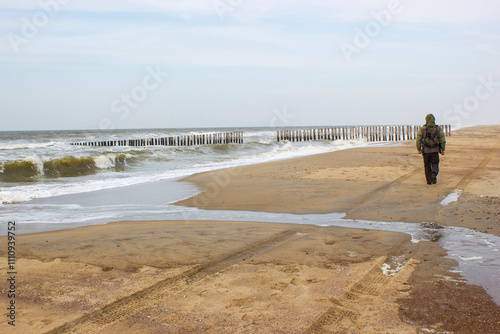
(247, 277)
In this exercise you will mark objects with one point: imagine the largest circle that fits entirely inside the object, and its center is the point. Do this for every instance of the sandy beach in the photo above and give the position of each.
(246, 277)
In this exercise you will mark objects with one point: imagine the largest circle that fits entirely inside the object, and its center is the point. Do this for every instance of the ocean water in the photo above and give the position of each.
(46, 183)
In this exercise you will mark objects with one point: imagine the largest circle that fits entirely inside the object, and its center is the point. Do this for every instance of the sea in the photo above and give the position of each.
(48, 184)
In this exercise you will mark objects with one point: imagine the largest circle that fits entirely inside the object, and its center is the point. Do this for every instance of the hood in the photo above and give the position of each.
(430, 120)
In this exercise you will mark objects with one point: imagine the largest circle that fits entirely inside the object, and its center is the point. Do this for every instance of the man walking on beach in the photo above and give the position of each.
(430, 142)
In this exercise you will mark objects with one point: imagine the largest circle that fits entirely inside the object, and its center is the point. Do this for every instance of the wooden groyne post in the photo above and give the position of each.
(235, 137)
(371, 133)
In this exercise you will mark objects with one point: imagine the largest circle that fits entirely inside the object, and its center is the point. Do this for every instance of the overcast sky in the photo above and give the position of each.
(75, 64)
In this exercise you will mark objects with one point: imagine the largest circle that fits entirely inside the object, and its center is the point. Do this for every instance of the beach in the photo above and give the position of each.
(210, 276)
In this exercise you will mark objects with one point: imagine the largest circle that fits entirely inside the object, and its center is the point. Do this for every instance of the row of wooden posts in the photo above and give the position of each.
(371, 133)
(235, 137)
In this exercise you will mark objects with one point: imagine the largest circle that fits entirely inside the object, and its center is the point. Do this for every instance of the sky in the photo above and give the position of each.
(117, 64)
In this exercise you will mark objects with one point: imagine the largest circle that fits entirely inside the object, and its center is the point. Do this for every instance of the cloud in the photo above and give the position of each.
(135, 6)
(268, 52)
(423, 11)
(284, 33)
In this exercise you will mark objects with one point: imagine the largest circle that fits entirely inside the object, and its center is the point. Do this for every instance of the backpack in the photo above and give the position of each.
(430, 136)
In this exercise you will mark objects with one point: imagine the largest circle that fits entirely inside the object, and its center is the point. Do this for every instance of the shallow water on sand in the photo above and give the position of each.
(477, 254)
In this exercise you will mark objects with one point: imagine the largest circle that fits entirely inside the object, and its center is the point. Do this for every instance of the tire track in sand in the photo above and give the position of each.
(461, 185)
(347, 309)
(467, 179)
(128, 306)
(374, 194)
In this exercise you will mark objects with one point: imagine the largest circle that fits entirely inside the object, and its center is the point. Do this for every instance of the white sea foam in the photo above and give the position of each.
(489, 243)
(387, 271)
(26, 146)
(291, 150)
(398, 263)
(26, 193)
(37, 162)
(471, 258)
(104, 162)
(453, 197)
(431, 330)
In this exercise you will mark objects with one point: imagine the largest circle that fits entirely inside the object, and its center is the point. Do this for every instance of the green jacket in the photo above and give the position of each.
(430, 121)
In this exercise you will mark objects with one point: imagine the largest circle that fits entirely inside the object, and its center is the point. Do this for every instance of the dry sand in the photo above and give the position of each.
(246, 277)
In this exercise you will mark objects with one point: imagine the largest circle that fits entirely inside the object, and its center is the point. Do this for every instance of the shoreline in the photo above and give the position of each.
(371, 183)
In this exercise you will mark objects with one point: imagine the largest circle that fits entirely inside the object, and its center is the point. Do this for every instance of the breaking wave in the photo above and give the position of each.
(32, 167)
(45, 165)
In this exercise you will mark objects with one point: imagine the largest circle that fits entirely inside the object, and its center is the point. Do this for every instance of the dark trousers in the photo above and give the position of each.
(431, 164)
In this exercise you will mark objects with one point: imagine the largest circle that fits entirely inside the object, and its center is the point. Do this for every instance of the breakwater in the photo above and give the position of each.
(235, 137)
(371, 133)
